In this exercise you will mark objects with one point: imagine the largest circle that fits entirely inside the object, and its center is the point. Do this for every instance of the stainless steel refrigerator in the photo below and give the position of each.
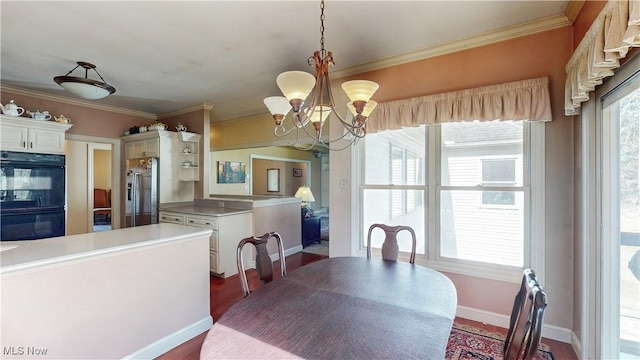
(142, 197)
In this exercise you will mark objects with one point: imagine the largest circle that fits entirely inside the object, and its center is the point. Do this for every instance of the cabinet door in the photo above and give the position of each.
(134, 150)
(151, 147)
(46, 141)
(14, 138)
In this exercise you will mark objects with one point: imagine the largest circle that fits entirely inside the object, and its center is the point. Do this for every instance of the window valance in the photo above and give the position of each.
(612, 34)
(518, 100)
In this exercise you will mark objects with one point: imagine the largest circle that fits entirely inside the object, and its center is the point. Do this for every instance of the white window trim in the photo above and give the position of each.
(534, 224)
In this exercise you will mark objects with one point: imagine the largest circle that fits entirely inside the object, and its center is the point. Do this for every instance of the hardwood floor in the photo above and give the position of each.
(225, 292)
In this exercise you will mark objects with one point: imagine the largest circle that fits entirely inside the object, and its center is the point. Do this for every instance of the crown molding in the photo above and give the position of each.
(70, 101)
(511, 32)
(192, 108)
(573, 9)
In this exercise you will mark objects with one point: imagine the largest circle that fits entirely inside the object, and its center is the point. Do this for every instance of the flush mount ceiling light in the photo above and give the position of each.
(296, 86)
(84, 87)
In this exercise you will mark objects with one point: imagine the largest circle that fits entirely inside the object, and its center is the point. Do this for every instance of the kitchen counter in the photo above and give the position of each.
(20, 255)
(127, 293)
(204, 210)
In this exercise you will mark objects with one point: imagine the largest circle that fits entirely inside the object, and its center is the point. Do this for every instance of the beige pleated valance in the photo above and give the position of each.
(519, 100)
(612, 34)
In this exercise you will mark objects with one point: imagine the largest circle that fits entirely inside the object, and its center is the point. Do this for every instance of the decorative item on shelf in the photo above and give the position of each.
(181, 127)
(186, 149)
(296, 86)
(134, 130)
(84, 87)
(12, 109)
(186, 164)
(62, 119)
(157, 126)
(305, 194)
(37, 115)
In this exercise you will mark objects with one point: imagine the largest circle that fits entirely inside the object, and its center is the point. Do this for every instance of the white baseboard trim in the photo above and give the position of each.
(549, 331)
(170, 341)
(576, 345)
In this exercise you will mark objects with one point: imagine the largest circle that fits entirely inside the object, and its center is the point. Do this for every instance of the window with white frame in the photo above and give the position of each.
(474, 188)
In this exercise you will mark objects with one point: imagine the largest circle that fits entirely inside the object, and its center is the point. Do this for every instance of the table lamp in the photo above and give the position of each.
(305, 194)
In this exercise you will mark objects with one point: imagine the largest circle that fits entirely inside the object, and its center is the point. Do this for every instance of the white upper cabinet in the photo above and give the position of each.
(35, 136)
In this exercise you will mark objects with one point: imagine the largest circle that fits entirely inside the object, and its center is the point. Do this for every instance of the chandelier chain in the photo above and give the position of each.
(322, 28)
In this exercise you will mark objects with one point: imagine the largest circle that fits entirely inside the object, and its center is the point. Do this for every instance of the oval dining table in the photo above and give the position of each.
(340, 308)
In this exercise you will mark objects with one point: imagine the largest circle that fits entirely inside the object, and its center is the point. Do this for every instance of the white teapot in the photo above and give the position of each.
(11, 109)
(40, 115)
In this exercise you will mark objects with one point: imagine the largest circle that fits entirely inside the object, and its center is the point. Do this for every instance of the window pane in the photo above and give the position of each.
(467, 146)
(470, 232)
(498, 170)
(388, 207)
(395, 157)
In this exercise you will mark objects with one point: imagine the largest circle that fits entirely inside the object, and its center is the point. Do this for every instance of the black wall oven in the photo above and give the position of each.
(32, 195)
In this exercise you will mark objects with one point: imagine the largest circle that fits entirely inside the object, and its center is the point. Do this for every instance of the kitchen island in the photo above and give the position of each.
(234, 217)
(127, 293)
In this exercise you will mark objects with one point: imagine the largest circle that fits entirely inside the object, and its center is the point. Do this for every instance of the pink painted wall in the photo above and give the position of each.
(542, 54)
(86, 121)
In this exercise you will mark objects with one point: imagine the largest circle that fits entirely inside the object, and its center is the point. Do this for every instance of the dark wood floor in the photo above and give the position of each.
(225, 292)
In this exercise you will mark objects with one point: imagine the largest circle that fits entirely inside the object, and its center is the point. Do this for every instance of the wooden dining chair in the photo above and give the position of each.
(264, 264)
(525, 325)
(390, 248)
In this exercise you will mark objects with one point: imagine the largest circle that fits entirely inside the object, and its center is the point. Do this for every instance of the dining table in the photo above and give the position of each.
(340, 308)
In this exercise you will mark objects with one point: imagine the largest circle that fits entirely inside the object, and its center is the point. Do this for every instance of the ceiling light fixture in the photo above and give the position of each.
(296, 87)
(84, 87)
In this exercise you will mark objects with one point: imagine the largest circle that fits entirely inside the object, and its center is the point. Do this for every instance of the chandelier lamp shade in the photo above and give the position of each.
(299, 87)
(84, 87)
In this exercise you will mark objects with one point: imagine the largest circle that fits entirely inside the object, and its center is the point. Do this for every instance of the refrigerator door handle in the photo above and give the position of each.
(135, 188)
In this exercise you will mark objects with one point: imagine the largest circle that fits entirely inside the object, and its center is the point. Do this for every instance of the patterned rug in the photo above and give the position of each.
(469, 342)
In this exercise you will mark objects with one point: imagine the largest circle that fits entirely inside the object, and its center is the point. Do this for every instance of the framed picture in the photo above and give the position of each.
(273, 180)
(297, 172)
(231, 172)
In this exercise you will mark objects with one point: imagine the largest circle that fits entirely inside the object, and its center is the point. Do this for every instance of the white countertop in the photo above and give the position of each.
(204, 210)
(20, 255)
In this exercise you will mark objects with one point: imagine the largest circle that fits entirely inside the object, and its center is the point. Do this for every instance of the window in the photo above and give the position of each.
(474, 189)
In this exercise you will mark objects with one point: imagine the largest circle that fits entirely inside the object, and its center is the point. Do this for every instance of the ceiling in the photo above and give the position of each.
(163, 56)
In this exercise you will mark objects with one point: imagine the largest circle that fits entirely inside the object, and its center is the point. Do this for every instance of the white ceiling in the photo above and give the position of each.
(167, 55)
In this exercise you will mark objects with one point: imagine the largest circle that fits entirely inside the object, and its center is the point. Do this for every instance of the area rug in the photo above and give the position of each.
(318, 249)
(469, 342)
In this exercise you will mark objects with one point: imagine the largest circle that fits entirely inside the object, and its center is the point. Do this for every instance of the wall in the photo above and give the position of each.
(542, 54)
(102, 169)
(288, 183)
(77, 188)
(244, 155)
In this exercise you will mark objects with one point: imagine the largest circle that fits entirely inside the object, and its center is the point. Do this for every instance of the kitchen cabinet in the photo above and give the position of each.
(189, 150)
(34, 136)
(228, 230)
(142, 148)
(162, 144)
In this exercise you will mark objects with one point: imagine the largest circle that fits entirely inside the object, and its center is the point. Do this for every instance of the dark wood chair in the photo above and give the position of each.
(264, 265)
(101, 204)
(525, 326)
(390, 247)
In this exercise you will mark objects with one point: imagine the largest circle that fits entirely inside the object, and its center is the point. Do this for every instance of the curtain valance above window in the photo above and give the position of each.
(518, 100)
(612, 34)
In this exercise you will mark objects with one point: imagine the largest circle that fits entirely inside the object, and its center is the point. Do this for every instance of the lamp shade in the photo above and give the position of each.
(319, 114)
(368, 108)
(359, 90)
(278, 105)
(86, 90)
(84, 87)
(304, 193)
(296, 84)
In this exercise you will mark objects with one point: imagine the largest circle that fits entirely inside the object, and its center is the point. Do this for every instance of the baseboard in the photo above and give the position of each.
(170, 341)
(576, 345)
(549, 331)
(293, 250)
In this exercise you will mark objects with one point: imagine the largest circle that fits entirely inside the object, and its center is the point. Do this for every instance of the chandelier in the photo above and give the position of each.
(84, 87)
(296, 86)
